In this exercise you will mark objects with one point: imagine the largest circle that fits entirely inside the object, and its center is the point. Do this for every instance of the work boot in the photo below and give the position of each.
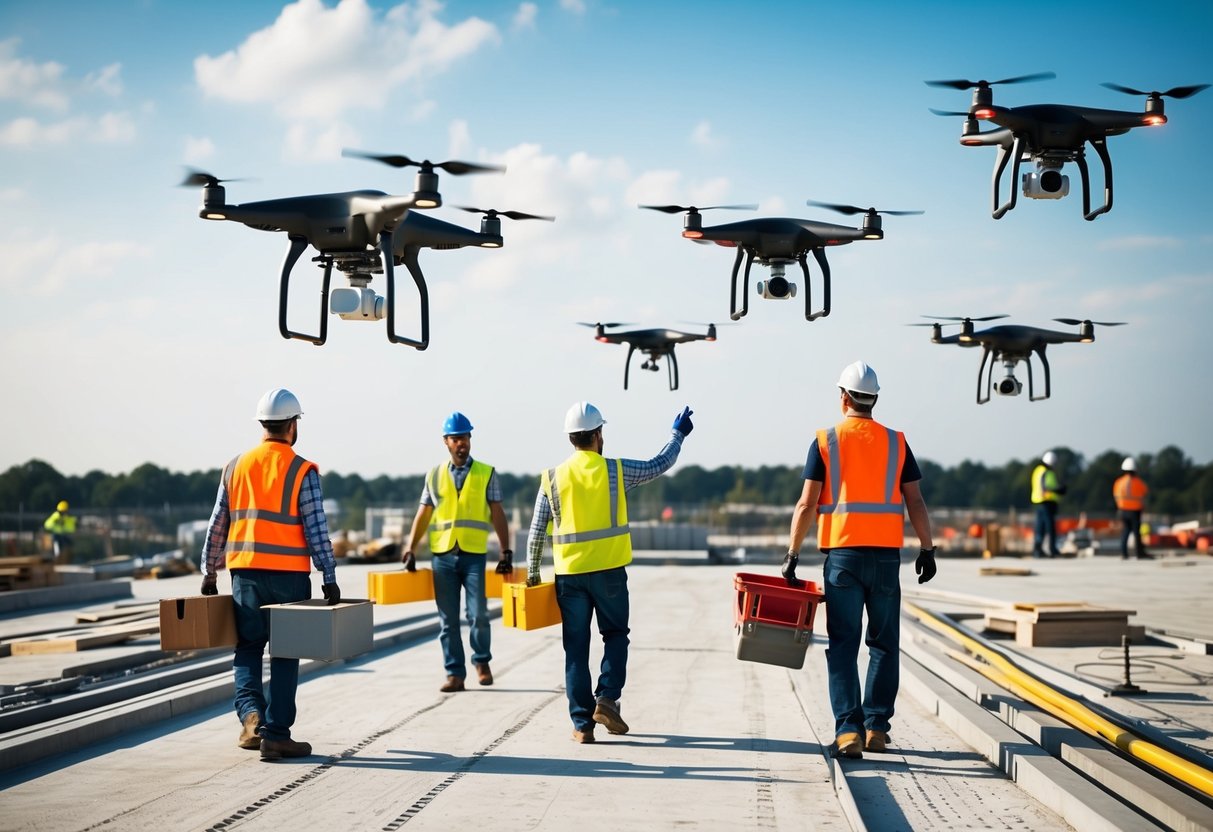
(849, 745)
(484, 674)
(583, 737)
(878, 742)
(454, 684)
(277, 749)
(248, 732)
(607, 713)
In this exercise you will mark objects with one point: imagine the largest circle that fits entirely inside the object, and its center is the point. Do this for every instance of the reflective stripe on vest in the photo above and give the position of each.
(589, 514)
(266, 531)
(1129, 492)
(863, 460)
(461, 516)
(1044, 483)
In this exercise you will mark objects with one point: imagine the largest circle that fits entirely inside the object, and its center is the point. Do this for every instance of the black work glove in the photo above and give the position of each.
(332, 594)
(208, 585)
(788, 570)
(924, 565)
(505, 566)
(410, 561)
(682, 422)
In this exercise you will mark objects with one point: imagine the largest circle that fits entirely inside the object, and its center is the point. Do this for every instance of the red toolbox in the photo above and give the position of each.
(773, 621)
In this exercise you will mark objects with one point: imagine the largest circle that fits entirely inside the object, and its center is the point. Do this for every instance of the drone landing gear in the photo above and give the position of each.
(734, 313)
(1101, 148)
(1005, 155)
(820, 256)
(1044, 362)
(409, 259)
(298, 246)
(672, 370)
(778, 279)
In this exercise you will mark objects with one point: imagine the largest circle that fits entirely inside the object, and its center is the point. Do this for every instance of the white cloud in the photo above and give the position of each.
(524, 18)
(1133, 242)
(109, 128)
(198, 149)
(308, 144)
(422, 110)
(703, 137)
(48, 265)
(316, 62)
(460, 143)
(660, 187)
(40, 85)
(11, 194)
(106, 80)
(573, 6)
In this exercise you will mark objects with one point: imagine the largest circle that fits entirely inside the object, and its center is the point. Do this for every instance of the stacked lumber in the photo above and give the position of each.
(72, 641)
(26, 573)
(1063, 624)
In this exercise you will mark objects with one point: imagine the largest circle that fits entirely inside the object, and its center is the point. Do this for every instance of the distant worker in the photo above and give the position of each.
(584, 499)
(460, 505)
(62, 529)
(1046, 489)
(861, 479)
(1130, 492)
(269, 523)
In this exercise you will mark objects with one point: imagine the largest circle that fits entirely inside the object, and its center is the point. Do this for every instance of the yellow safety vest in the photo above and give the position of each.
(461, 517)
(589, 514)
(1044, 485)
(59, 523)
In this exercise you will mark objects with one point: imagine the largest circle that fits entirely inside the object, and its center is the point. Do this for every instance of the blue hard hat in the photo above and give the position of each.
(455, 424)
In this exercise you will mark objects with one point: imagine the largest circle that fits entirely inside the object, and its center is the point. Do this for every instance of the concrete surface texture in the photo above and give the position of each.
(715, 743)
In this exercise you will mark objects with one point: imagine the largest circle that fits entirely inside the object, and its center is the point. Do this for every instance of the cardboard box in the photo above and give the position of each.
(314, 630)
(400, 586)
(529, 607)
(197, 622)
(494, 584)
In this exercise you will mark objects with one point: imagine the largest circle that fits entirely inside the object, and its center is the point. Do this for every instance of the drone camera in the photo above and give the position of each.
(1046, 183)
(777, 288)
(1009, 386)
(356, 303)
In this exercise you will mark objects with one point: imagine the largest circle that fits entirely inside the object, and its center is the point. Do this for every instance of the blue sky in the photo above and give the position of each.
(133, 331)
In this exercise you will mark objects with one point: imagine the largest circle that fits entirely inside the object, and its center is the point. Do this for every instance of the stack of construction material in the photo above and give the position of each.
(27, 573)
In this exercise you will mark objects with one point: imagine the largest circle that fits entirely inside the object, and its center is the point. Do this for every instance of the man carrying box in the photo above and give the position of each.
(269, 523)
(584, 499)
(460, 505)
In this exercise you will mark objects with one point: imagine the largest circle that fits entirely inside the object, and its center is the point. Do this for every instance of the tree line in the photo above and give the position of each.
(1178, 486)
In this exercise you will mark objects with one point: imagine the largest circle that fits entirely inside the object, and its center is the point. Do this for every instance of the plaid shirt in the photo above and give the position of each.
(492, 493)
(635, 472)
(315, 529)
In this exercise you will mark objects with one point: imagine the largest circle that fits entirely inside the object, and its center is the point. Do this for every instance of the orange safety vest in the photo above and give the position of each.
(266, 531)
(861, 502)
(1130, 493)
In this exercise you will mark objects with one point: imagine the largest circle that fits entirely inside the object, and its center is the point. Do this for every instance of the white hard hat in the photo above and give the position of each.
(859, 378)
(1049, 458)
(1129, 464)
(278, 405)
(582, 416)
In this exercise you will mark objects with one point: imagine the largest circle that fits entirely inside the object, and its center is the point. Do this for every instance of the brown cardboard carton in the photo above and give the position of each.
(197, 622)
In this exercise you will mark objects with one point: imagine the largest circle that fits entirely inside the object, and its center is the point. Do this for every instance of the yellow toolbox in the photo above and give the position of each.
(529, 607)
(400, 586)
(494, 584)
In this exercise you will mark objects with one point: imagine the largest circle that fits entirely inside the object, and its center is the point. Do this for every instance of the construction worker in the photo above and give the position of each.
(860, 481)
(584, 499)
(1130, 492)
(269, 525)
(62, 529)
(1046, 489)
(460, 505)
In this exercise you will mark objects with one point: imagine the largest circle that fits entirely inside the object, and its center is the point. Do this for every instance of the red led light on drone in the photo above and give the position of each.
(692, 235)
(603, 339)
(1154, 119)
(984, 112)
(970, 142)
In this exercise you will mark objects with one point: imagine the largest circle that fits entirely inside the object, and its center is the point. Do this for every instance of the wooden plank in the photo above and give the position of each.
(1075, 633)
(1005, 570)
(120, 612)
(97, 637)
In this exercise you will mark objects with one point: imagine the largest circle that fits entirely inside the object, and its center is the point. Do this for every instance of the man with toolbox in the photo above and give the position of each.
(584, 499)
(269, 523)
(460, 505)
(860, 480)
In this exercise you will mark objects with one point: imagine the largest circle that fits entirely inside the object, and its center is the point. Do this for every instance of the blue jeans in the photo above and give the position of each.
(856, 580)
(1046, 529)
(251, 590)
(1130, 526)
(579, 597)
(454, 571)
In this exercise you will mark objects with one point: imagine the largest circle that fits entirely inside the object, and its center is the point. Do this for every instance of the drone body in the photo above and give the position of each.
(362, 234)
(1050, 135)
(777, 242)
(1009, 344)
(657, 343)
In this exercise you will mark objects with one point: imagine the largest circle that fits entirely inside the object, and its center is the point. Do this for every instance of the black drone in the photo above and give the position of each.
(362, 233)
(776, 242)
(1010, 344)
(1051, 135)
(657, 343)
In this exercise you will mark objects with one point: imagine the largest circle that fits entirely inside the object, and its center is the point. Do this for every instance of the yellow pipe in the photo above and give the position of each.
(1074, 711)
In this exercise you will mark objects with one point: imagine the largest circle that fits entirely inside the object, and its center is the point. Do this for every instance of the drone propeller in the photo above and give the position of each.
(1174, 92)
(854, 209)
(960, 319)
(1019, 79)
(398, 161)
(605, 326)
(691, 209)
(202, 179)
(949, 112)
(1076, 322)
(513, 215)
